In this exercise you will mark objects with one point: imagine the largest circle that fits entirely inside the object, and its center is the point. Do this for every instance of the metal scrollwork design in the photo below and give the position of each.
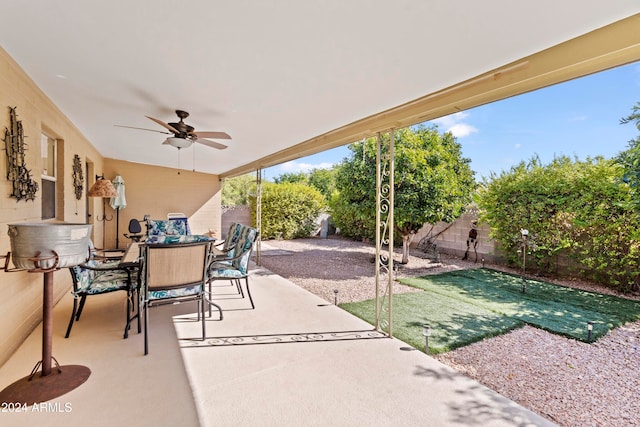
(78, 177)
(24, 186)
(384, 232)
(300, 337)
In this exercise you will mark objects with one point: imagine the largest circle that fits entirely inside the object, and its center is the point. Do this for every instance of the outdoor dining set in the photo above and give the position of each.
(165, 265)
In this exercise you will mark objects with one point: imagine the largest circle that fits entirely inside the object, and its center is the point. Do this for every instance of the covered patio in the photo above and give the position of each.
(285, 79)
(294, 360)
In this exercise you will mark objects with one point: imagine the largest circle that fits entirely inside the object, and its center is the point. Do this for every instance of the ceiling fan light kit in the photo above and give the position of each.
(178, 142)
(184, 135)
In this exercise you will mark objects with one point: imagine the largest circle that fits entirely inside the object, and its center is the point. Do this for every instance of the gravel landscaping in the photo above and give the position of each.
(569, 382)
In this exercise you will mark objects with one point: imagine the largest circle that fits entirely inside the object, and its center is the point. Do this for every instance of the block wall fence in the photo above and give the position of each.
(451, 238)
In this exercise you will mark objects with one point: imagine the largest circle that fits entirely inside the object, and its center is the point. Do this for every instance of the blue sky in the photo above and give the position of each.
(579, 118)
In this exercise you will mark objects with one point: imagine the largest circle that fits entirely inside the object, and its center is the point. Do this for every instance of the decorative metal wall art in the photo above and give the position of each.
(78, 177)
(24, 186)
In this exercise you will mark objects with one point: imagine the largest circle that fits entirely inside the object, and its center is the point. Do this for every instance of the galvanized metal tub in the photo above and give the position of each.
(69, 241)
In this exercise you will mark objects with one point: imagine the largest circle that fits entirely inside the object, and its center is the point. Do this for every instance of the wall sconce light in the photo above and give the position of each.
(426, 331)
(589, 330)
(104, 189)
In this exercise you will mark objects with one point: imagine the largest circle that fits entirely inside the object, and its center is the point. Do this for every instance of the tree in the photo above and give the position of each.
(323, 180)
(433, 182)
(236, 191)
(630, 159)
(291, 177)
(634, 117)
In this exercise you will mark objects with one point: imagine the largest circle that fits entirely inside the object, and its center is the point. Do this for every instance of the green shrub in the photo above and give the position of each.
(572, 208)
(289, 210)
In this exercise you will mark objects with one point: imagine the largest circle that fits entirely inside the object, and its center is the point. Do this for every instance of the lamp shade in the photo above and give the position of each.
(102, 188)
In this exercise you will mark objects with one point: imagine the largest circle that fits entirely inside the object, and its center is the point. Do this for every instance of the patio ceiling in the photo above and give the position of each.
(287, 78)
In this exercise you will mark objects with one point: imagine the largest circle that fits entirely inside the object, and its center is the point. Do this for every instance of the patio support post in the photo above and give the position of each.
(378, 221)
(258, 215)
(384, 231)
(390, 225)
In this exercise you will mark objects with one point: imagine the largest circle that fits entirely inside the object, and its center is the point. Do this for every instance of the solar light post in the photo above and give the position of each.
(524, 234)
(426, 331)
(589, 330)
(335, 297)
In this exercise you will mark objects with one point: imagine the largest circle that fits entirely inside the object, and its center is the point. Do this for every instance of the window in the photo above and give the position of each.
(49, 161)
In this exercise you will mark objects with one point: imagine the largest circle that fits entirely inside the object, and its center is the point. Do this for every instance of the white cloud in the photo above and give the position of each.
(460, 130)
(517, 146)
(294, 167)
(450, 120)
(454, 123)
(578, 118)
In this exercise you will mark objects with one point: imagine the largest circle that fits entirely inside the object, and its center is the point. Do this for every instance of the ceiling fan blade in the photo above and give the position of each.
(163, 124)
(210, 134)
(150, 130)
(211, 144)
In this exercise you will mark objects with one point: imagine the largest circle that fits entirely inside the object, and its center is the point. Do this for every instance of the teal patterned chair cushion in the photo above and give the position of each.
(172, 227)
(92, 282)
(225, 272)
(220, 264)
(243, 249)
(167, 239)
(232, 238)
(175, 293)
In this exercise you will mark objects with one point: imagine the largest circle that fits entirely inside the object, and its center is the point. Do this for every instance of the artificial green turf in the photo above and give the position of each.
(466, 306)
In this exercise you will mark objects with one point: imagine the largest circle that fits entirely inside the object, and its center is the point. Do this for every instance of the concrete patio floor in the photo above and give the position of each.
(294, 360)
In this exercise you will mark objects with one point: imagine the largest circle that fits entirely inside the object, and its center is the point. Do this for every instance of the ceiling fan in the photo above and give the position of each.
(184, 135)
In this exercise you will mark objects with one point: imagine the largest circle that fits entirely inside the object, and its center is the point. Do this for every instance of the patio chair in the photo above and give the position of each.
(172, 273)
(135, 231)
(224, 248)
(97, 277)
(234, 268)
